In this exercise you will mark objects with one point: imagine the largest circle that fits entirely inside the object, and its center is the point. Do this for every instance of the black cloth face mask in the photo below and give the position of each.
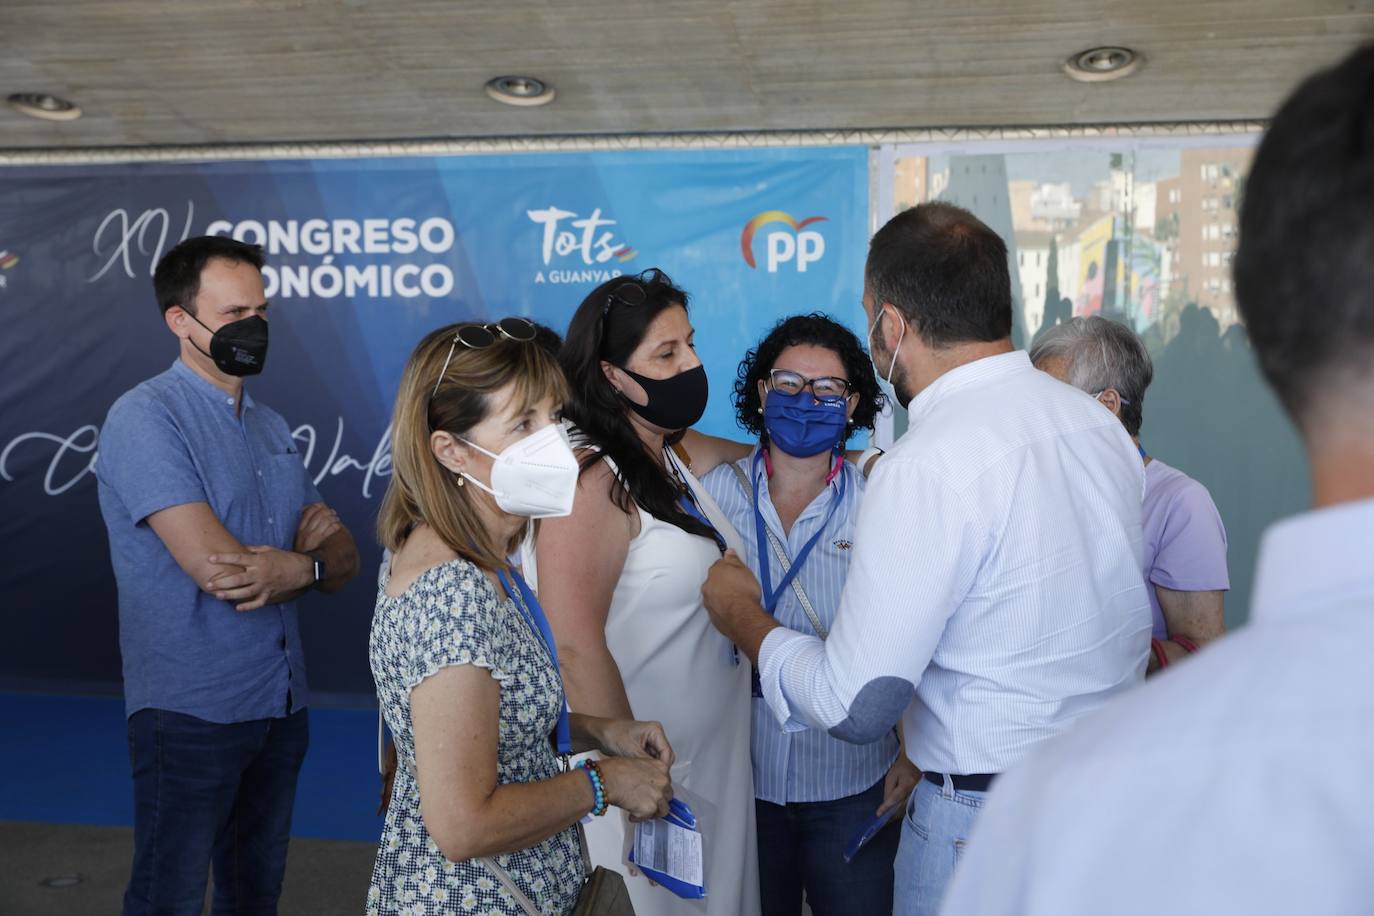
(674, 403)
(239, 347)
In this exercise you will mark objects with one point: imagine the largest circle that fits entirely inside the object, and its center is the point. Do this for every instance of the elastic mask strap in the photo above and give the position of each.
(468, 477)
(901, 335)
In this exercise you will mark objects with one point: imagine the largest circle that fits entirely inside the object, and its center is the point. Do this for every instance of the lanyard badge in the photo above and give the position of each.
(772, 596)
(533, 614)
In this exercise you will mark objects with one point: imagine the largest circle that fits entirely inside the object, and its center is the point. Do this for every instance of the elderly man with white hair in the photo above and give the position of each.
(1185, 541)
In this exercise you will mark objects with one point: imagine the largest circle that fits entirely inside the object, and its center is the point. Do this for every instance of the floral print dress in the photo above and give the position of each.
(451, 615)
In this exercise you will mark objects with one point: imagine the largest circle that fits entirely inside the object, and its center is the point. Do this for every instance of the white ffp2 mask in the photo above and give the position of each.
(535, 477)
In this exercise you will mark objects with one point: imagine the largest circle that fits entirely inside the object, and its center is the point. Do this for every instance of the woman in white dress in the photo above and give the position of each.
(621, 580)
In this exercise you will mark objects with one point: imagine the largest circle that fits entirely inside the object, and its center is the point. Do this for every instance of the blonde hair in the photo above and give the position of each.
(423, 490)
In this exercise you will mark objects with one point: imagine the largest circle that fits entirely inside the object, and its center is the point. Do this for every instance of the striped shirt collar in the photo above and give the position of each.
(968, 375)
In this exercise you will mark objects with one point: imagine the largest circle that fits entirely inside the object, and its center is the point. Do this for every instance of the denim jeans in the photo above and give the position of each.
(801, 847)
(210, 794)
(937, 824)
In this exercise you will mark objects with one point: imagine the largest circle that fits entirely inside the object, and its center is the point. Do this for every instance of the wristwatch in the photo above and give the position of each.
(320, 572)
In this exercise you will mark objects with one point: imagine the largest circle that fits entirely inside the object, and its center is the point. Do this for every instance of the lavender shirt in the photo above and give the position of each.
(1185, 541)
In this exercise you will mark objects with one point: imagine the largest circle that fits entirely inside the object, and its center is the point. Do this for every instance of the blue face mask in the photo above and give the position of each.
(801, 425)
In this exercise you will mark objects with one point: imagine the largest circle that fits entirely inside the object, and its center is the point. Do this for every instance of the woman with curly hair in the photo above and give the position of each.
(803, 392)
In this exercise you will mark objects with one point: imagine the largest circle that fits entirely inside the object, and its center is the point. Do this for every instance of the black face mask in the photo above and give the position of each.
(239, 347)
(674, 403)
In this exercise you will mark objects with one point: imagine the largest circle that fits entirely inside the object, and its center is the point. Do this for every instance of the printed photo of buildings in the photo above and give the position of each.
(1145, 237)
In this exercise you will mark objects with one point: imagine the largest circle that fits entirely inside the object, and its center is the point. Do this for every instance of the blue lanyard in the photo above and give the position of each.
(533, 612)
(1141, 449)
(770, 596)
(687, 502)
(689, 505)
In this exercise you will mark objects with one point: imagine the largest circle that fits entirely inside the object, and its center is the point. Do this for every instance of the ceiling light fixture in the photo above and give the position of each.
(524, 91)
(43, 106)
(61, 882)
(1098, 65)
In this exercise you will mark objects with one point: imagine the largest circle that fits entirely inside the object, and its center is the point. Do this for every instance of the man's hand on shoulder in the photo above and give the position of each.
(262, 576)
(732, 597)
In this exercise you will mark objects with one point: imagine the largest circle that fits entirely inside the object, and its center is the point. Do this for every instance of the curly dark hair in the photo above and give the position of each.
(816, 329)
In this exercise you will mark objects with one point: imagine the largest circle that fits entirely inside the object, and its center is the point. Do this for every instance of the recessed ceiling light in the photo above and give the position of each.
(520, 90)
(1098, 65)
(43, 106)
(59, 882)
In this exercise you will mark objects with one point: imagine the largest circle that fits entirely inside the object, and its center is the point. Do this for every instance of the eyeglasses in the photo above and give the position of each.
(481, 336)
(631, 293)
(789, 382)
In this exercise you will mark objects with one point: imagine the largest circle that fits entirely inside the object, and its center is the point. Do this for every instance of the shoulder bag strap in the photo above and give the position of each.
(781, 553)
(509, 884)
(520, 897)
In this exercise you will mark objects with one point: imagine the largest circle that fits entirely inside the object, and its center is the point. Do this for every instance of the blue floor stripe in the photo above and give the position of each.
(66, 760)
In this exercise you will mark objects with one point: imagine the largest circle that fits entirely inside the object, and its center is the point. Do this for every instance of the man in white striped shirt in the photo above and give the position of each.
(1240, 782)
(995, 594)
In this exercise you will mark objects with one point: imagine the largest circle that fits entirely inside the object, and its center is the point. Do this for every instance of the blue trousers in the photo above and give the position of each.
(211, 795)
(934, 833)
(801, 848)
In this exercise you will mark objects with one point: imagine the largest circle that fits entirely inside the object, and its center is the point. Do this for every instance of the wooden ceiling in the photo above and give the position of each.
(154, 72)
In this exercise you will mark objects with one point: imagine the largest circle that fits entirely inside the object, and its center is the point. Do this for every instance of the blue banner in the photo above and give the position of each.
(364, 257)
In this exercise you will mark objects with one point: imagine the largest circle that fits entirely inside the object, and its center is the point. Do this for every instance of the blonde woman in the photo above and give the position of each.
(466, 673)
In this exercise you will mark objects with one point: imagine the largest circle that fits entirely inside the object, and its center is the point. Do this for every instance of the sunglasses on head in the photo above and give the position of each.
(631, 293)
(481, 336)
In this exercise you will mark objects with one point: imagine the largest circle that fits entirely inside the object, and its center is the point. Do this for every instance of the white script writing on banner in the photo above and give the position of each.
(73, 457)
(128, 239)
(379, 465)
(580, 238)
(68, 463)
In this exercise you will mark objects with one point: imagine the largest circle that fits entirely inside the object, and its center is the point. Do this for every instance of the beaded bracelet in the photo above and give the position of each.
(599, 804)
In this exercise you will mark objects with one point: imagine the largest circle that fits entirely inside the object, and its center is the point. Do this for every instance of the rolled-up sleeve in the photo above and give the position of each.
(918, 545)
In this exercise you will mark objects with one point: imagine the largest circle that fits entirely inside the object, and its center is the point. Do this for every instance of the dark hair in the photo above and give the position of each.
(609, 327)
(945, 271)
(547, 338)
(176, 281)
(1305, 264)
(822, 331)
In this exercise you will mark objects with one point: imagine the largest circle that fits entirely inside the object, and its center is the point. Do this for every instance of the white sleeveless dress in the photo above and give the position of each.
(679, 670)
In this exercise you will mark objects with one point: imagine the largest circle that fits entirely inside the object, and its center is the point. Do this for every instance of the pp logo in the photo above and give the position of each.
(799, 246)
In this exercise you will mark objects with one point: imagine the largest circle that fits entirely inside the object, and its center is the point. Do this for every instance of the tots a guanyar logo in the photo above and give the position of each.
(578, 249)
(7, 260)
(799, 246)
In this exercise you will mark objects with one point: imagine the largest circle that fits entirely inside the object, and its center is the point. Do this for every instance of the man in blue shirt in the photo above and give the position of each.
(214, 530)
